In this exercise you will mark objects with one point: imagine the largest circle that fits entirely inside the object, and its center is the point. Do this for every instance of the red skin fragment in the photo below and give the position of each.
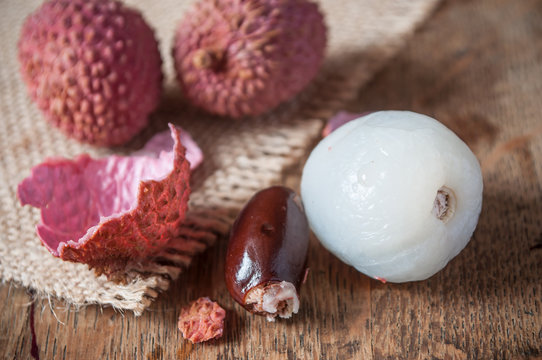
(305, 277)
(112, 211)
(341, 118)
(203, 320)
(164, 140)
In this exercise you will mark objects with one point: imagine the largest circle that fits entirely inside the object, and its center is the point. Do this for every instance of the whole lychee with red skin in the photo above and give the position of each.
(245, 57)
(93, 67)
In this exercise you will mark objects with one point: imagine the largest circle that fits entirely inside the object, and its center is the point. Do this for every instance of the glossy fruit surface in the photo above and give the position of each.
(395, 194)
(267, 252)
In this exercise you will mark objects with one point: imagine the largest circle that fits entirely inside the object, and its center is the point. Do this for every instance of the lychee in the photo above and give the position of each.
(245, 57)
(93, 67)
(395, 194)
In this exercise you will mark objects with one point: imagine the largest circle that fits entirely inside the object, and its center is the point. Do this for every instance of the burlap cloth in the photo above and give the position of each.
(241, 157)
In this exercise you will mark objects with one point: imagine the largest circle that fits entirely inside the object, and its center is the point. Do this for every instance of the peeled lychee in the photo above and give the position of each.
(93, 67)
(244, 57)
(395, 194)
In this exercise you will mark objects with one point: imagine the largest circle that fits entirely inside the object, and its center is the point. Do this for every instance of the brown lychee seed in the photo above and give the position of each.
(93, 67)
(267, 253)
(242, 58)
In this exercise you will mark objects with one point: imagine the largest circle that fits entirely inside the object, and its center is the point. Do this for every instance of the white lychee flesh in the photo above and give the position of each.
(395, 194)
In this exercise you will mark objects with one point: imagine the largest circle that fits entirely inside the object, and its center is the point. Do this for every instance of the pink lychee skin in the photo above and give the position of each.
(203, 320)
(240, 58)
(93, 67)
(112, 211)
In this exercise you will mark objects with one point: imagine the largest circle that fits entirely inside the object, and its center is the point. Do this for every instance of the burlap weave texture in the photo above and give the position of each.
(241, 157)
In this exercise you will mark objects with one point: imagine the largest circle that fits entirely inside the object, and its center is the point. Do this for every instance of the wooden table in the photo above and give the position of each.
(476, 66)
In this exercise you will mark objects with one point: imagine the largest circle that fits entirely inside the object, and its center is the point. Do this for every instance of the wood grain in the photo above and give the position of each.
(476, 66)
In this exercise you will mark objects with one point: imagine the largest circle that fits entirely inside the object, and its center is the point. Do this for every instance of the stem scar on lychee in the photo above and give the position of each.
(444, 205)
(208, 59)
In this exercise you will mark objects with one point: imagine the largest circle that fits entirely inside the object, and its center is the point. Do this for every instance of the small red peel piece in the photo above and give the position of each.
(112, 211)
(202, 320)
(341, 118)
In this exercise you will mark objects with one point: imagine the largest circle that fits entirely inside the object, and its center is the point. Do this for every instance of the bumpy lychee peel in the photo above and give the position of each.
(202, 320)
(370, 188)
(338, 120)
(163, 141)
(93, 67)
(240, 58)
(112, 211)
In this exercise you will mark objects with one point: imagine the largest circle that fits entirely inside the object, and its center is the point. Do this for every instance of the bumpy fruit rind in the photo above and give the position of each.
(112, 211)
(203, 320)
(93, 67)
(243, 58)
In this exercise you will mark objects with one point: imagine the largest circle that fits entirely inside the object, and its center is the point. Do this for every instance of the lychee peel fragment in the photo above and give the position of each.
(339, 119)
(112, 211)
(202, 320)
